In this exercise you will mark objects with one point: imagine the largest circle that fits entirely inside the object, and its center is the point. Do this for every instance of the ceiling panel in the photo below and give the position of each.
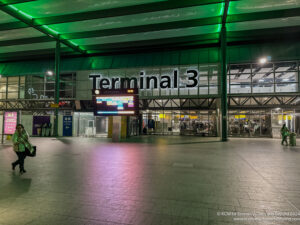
(141, 19)
(262, 24)
(19, 33)
(43, 8)
(5, 18)
(28, 47)
(250, 6)
(149, 35)
(130, 24)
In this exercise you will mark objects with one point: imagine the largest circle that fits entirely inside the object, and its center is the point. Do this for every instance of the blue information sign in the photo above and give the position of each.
(67, 125)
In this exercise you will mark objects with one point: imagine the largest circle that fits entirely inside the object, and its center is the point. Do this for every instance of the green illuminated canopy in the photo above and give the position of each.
(31, 27)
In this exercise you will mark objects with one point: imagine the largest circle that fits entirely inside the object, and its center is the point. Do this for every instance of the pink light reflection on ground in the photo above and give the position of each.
(114, 178)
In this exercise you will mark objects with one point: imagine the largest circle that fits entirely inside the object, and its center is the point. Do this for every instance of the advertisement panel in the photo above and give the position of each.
(67, 125)
(10, 122)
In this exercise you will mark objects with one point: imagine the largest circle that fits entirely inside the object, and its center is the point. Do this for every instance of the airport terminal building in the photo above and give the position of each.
(177, 65)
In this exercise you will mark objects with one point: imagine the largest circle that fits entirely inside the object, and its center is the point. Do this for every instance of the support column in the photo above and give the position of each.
(110, 127)
(224, 105)
(124, 120)
(57, 81)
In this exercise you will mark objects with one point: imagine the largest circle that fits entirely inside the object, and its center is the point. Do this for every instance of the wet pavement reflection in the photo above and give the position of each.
(155, 180)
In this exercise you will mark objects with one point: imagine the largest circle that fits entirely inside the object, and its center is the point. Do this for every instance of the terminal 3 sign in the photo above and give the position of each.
(144, 81)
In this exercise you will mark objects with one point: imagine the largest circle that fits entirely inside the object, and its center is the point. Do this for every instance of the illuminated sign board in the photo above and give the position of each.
(10, 122)
(115, 102)
(145, 81)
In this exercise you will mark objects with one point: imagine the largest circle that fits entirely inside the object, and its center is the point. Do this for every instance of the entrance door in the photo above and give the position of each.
(101, 125)
(249, 123)
(280, 117)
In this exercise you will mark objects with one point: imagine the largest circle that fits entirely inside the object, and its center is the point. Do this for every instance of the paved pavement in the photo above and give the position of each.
(158, 182)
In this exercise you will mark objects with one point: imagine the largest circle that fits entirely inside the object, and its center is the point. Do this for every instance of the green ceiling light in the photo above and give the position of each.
(219, 28)
(222, 9)
(21, 12)
(50, 30)
(229, 9)
(73, 43)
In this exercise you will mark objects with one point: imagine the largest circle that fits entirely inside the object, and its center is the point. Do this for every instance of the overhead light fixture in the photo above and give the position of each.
(97, 92)
(50, 73)
(261, 80)
(263, 60)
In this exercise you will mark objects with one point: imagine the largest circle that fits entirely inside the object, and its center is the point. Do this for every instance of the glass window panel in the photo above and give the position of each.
(13, 80)
(213, 89)
(38, 95)
(203, 80)
(193, 91)
(37, 79)
(68, 93)
(22, 92)
(50, 86)
(262, 68)
(184, 91)
(3, 79)
(155, 92)
(240, 79)
(263, 78)
(164, 92)
(285, 66)
(49, 94)
(213, 80)
(203, 90)
(66, 77)
(12, 95)
(286, 77)
(263, 88)
(235, 89)
(50, 79)
(36, 87)
(286, 87)
(2, 87)
(240, 68)
(12, 88)
(2, 95)
(22, 80)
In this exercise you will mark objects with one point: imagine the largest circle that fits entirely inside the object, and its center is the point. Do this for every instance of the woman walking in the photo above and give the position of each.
(21, 143)
(284, 134)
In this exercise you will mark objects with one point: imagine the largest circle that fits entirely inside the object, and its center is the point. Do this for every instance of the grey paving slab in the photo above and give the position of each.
(160, 180)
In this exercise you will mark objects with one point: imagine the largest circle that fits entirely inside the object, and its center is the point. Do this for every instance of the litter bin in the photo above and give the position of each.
(292, 139)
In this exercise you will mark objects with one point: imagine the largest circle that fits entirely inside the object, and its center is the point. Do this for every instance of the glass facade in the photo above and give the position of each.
(180, 122)
(249, 123)
(36, 86)
(280, 77)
